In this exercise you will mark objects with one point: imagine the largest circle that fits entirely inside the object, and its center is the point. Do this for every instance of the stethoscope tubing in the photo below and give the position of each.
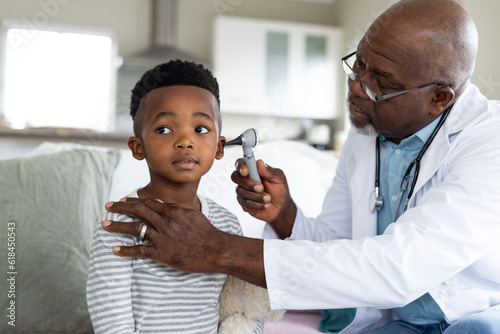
(415, 162)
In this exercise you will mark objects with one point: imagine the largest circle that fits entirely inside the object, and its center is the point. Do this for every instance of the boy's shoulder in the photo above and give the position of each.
(219, 210)
(220, 217)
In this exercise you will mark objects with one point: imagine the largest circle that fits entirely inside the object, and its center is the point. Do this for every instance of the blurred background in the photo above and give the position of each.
(67, 66)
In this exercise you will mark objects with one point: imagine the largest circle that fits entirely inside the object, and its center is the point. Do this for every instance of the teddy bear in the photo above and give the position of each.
(242, 305)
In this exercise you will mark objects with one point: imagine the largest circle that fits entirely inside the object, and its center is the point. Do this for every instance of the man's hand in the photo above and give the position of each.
(184, 239)
(270, 200)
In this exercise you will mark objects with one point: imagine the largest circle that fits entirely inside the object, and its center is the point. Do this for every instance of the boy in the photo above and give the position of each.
(177, 124)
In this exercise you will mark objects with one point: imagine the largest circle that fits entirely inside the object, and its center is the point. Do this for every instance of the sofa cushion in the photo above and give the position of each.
(49, 205)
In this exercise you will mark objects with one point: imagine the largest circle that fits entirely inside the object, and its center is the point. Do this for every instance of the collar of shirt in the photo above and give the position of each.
(394, 160)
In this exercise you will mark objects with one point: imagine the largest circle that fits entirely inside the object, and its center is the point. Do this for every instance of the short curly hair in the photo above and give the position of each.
(176, 72)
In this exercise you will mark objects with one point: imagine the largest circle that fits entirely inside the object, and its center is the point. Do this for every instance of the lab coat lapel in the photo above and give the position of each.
(363, 185)
(469, 106)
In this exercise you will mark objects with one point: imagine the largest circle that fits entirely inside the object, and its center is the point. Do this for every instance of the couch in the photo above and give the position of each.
(52, 197)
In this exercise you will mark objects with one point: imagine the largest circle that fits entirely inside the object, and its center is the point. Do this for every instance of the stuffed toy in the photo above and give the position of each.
(242, 306)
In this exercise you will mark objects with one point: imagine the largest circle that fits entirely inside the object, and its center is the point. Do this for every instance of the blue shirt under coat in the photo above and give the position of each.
(394, 160)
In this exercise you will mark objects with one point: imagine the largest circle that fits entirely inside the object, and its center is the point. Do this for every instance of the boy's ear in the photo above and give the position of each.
(220, 148)
(135, 145)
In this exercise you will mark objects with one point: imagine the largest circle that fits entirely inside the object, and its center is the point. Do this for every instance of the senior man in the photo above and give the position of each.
(409, 231)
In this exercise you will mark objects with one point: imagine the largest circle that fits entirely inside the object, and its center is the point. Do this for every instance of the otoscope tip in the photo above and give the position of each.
(237, 141)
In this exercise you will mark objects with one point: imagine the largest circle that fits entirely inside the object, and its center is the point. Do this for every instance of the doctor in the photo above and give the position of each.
(410, 228)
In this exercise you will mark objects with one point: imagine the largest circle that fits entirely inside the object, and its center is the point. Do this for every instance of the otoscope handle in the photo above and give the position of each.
(252, 166)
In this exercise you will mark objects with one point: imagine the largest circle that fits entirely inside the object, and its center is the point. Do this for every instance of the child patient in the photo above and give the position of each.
(177, 125)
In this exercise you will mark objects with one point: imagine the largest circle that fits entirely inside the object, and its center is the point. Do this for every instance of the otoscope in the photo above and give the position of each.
(248, 140)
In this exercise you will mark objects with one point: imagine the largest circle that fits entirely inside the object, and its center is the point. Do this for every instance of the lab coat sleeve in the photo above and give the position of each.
(334, 221)
(454, 223)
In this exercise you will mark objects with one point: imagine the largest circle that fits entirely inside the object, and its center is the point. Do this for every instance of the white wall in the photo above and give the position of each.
(196, 17)
(129, 18)
(132, 19)
(487, 74)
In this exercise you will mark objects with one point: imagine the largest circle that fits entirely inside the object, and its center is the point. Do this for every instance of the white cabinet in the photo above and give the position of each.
(277, 68)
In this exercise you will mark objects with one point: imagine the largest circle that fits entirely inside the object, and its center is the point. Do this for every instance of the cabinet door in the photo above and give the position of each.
(277, 68)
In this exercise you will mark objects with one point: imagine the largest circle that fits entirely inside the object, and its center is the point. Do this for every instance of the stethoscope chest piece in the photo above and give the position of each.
(376, 201)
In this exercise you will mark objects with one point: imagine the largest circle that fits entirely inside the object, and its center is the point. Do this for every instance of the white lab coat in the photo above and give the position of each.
(447, 243)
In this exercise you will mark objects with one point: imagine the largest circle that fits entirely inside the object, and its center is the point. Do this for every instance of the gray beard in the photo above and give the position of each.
(367, 130)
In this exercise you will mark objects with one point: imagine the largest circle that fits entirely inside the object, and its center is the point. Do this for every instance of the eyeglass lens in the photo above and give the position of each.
(347, 64)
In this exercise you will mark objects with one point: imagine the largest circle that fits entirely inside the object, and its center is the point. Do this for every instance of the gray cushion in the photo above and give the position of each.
(50, 204)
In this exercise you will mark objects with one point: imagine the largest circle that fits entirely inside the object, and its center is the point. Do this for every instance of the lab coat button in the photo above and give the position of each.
(394, 198)
(397, 151)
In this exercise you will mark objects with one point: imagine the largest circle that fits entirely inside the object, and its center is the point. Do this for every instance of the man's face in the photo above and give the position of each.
(388, 66)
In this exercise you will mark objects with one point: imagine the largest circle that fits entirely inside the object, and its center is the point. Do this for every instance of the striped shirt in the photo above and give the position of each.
(132, 295)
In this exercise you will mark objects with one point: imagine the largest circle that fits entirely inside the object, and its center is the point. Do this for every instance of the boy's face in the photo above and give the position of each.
(179, 134)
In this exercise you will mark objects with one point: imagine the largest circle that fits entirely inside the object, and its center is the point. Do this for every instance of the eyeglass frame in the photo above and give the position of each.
(370, 92)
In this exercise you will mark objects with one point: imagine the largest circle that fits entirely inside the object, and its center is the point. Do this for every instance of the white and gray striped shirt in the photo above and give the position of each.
(132, 295)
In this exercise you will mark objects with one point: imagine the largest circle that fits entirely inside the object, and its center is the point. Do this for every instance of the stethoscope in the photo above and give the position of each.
(377, 200)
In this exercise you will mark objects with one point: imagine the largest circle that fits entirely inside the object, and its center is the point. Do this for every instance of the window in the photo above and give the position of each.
(58, 76)
(277, 64)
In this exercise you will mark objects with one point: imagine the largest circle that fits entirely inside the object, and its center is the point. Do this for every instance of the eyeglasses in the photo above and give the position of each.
(368, 91)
